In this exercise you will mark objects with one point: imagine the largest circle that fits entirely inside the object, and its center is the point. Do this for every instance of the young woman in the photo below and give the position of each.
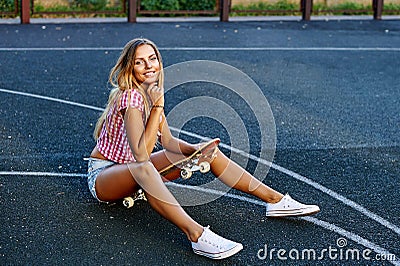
(126, 134)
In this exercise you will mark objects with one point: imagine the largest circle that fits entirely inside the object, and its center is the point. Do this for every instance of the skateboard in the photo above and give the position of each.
(197, 161)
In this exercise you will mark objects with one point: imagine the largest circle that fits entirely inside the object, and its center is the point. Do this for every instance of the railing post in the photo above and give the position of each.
(25, 11)
(377, 5)
(224, 13)
(306, 9)
(132, 11)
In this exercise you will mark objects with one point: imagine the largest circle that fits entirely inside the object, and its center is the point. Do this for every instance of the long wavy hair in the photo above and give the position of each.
(122, 78)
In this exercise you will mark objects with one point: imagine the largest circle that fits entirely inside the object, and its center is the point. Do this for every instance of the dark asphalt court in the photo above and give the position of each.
(333, 87)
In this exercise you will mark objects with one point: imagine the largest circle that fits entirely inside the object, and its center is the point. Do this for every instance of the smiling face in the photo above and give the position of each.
(146, 65)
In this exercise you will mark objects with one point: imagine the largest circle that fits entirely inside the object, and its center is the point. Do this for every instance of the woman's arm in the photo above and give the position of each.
(142, 139)
(172, 143)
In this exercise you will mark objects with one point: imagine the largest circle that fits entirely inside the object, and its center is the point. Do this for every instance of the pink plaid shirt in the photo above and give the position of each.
(113, 142)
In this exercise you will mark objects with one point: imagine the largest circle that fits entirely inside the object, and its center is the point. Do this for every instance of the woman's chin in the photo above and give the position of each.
(150, 81)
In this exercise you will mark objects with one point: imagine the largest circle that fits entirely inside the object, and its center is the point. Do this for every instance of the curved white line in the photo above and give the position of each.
(288, 172)
(331, 227)
(326, 225)
(309, 182)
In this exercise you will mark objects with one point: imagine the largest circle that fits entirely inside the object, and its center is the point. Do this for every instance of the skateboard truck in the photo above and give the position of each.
(187, 171)
(128, 202)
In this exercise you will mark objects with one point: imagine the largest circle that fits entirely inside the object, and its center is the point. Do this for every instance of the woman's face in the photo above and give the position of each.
(146, 65)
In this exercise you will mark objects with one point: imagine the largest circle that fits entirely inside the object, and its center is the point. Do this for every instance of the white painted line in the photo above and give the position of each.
(356, 238)
(339, 197)
(317, 49)
(309, 49)
(294, 175)
(52, 99)
(309, 182)
(326, 225)
(46, 49)
(49, 174)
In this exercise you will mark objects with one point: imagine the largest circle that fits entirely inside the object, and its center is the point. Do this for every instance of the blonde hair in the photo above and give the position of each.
(122, 78)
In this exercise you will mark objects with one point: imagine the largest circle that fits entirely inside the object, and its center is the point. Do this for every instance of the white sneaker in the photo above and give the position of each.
(287, 207)
(214, 246)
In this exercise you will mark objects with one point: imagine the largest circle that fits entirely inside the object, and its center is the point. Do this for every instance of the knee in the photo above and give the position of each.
(143, 170)
(147, 168)
(216, 153)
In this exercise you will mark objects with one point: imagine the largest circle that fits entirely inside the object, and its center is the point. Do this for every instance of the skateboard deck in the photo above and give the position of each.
(197, 161)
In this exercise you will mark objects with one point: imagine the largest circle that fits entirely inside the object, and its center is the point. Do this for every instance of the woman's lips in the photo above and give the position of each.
(149, 74)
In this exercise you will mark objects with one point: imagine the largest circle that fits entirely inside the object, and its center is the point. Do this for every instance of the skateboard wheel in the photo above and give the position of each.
(204, 167)
(128, 202)
(186, 173)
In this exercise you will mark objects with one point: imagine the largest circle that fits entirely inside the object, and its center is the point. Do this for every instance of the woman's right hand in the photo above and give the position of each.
(156, 94)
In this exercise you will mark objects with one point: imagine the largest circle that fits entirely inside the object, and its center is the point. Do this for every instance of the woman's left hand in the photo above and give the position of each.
(156, 94)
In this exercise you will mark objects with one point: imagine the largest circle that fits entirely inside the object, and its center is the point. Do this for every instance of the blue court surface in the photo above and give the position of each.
(311, 108)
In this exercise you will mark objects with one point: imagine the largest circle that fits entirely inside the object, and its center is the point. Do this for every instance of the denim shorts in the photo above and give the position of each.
(95, 166)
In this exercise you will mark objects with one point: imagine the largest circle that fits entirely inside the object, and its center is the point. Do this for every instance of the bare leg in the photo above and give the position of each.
(230, 173)
(236, 177)
(164, 158)
(117, 182)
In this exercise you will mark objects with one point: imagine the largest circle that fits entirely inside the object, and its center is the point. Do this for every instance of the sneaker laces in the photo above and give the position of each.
(288, 201)
(213, 239)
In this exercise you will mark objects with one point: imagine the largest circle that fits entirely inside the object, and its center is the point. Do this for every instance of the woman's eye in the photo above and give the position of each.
(153, 58)
(138, 62)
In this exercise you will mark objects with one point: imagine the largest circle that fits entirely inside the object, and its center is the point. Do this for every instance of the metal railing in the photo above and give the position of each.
(132, 9)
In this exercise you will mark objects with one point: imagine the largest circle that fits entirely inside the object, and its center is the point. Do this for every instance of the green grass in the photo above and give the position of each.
(72, 9)
(347, 8)
(281, 5)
